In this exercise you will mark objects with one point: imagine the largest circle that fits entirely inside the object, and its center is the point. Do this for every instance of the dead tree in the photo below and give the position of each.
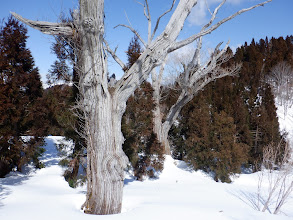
(281, 80)
(103, 105)
(276, 171)
(195, 77)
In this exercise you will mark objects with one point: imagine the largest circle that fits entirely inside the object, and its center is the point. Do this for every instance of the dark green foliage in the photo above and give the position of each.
(227, 155)
(63, 68)
(241, 109)
(150, 159)
(133, 52)
(141, 145)
(209, 141)
(63, 98)
(58, 102)
(20, 98)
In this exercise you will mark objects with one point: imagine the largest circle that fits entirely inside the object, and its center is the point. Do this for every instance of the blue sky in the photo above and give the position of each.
(273, 20)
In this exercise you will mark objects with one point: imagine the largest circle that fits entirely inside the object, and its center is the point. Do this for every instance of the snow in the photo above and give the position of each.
(178, 193)
(285, 116)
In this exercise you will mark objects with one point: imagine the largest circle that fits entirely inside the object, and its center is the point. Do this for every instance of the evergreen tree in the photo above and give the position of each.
(64, 98)
(133, 52)
(247, 100)
(227, 155)
(210, 140)
(141, 145)
(196, 126)
(20, 91)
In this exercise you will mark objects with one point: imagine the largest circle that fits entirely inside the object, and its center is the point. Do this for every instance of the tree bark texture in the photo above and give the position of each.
(104, 107)
(106, 160)
(159, 129)
(103, 113)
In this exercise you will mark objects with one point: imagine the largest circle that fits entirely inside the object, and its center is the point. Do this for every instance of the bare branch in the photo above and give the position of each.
(195, 77)
(158, 21)
(208, 7)
(127, 19)
(147, 14)
(162, 68)
(157, 78)
(214, 15)
(155, 53)
(134, 31)
(140, 3)
(149, 22)
(174, 111)
(196, 56)
(64, 29)
(115, 57)
(212, 65)
(144, 9)
(211, 29)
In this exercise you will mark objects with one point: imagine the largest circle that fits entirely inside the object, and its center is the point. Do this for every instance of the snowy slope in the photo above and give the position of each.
(178, 193)
(286, 120)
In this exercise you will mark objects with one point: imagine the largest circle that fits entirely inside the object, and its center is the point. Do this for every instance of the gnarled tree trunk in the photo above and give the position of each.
(159, 129)
(106, 160)
(103, 114)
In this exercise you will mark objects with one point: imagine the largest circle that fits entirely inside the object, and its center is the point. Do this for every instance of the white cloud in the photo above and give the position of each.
(200, 14)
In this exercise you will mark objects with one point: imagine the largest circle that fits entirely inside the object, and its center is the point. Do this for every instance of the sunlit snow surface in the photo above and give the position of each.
(178, 194)
(286, 120)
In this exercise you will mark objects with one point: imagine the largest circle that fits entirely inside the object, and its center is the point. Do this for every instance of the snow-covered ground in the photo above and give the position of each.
(178, 194)
(286, 120)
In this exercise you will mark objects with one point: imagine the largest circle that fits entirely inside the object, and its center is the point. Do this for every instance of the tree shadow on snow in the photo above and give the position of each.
(14, 179)
(128, 180)
(51, 155)
(253, 200)
(49, 158)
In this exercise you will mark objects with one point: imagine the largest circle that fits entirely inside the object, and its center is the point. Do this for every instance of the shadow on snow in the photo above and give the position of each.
(14, 178)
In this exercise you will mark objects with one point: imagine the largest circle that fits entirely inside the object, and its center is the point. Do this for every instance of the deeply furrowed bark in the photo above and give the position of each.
(103, 113)
(106, 160)
(159, 129)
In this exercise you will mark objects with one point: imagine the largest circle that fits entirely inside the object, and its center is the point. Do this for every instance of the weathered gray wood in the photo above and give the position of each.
(194, 78)
(115, 57)
(103, 113)
(192, 38)
(64, 29)
(159, 19)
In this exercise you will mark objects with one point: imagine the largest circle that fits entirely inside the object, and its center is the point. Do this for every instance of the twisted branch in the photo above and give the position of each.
(64, 29)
